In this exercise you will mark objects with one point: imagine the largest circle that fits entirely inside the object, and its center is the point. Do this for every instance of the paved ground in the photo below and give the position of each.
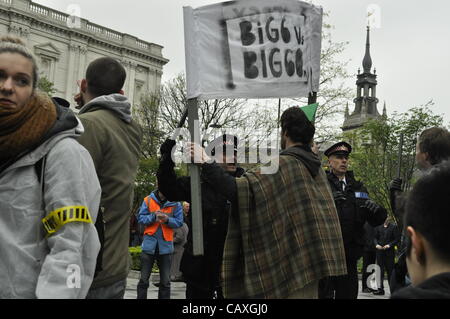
(178, 288)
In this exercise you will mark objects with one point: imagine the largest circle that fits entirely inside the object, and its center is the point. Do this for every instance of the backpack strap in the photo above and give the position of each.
(39, 167)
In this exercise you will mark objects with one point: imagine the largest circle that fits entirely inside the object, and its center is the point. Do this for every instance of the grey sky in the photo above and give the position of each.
(410, 51)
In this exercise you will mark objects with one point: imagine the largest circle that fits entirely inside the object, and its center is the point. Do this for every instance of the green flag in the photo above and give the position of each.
(310, 111)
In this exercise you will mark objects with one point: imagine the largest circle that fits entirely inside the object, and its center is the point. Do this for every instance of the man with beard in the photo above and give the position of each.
(355, 208)
(202, 273)
(283, 234)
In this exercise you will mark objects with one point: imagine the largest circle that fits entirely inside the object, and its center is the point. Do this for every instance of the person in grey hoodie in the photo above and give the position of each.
(113, 139)
(49, 194)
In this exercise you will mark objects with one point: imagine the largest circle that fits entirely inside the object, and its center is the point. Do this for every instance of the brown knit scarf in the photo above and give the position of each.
(22, 129)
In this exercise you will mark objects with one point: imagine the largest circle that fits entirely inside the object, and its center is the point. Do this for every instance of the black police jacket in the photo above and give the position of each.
(200, 271)
(353, 214)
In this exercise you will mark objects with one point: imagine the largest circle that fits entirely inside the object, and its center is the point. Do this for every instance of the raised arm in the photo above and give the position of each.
(174, 188)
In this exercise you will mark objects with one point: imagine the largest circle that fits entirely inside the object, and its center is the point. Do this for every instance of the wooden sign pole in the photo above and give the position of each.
(194, 172)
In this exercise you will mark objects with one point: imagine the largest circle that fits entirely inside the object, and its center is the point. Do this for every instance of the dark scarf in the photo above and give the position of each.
(22, 129)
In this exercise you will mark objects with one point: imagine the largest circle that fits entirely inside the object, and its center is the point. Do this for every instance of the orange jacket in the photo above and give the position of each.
(153, 207)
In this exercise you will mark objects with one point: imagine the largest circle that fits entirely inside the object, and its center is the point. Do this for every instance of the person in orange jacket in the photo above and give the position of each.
(160, 217)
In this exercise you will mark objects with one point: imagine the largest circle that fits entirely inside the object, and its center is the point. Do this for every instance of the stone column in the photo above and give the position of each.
(366, 90)
(158, 75)
(149, 87)
(82, 62)
(132, 78)
(71, 81)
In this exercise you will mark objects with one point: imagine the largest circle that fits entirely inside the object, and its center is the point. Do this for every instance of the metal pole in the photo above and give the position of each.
(278, 123)
(194, 172)
(400, 154)
(312, 98)
(180, 124)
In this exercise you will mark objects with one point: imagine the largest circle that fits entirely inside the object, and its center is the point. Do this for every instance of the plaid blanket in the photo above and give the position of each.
(285, 235)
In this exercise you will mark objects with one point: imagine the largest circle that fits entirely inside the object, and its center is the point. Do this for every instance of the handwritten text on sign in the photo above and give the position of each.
(267, 48)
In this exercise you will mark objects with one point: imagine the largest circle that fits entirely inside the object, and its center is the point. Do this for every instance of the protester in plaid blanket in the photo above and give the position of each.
(284, 234)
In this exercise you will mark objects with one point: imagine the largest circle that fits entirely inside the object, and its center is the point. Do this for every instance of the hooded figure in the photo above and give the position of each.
(283, 233)
(113, 139)
(202, 273)
(49, 194)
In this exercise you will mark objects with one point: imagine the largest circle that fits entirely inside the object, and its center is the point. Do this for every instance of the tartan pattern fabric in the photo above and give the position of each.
(285, 235)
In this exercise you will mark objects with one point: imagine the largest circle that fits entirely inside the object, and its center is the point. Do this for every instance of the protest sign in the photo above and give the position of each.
(253, 49)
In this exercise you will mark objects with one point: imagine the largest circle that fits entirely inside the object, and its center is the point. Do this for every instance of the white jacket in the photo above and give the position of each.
(62, 265)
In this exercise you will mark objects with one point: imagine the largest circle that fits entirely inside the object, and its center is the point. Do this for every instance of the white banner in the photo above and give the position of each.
(253, 49)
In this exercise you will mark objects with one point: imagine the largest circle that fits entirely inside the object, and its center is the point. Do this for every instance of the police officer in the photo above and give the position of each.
(354, 209)
(202, 273)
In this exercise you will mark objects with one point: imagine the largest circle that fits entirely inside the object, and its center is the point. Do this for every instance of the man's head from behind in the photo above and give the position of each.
(427, 222)
(104, 76)
(295, 128)
(433, 147)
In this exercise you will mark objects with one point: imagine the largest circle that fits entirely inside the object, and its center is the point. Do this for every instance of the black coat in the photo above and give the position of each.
(387, 236)
(369, 237)
(436, 287)
(352, 216)
(200, 271)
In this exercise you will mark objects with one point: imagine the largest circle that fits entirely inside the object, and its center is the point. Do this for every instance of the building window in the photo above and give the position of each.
(47, 68)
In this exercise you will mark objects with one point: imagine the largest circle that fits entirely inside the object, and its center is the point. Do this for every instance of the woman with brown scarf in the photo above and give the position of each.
(49, 192)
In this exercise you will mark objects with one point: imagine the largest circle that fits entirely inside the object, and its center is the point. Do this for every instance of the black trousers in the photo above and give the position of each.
(341, 287)
(194, 291)
(369, 258)
(386, 260)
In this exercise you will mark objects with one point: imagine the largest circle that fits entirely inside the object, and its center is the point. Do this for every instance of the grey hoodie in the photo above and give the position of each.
(115, 102)
(306, 156)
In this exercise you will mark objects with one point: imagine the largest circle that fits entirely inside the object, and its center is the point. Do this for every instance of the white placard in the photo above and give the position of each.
(268, 50)
(253, 49)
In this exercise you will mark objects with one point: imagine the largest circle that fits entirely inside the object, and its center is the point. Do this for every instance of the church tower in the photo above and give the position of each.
(366, 98)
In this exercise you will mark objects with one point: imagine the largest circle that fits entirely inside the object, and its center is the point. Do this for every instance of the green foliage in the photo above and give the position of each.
(46, 86)
(147, 116)
(145, 181)
(135, 254)
(375, 158)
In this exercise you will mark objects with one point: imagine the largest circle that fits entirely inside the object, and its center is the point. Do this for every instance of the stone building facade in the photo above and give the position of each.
(65, 45)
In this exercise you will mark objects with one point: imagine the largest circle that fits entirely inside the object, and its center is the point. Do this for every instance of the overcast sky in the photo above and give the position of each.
(410, 50)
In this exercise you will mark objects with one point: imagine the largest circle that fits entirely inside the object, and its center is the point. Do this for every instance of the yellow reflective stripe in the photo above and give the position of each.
(58, 218)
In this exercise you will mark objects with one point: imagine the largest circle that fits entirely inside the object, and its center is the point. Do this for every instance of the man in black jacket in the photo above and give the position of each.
(202, 273)
(427, 223)
(387, 236)
(354, 208)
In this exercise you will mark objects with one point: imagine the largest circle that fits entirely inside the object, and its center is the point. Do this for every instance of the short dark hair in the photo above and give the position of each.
(436, 142)
(105, 76)
(428, 209)
(297, 126)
